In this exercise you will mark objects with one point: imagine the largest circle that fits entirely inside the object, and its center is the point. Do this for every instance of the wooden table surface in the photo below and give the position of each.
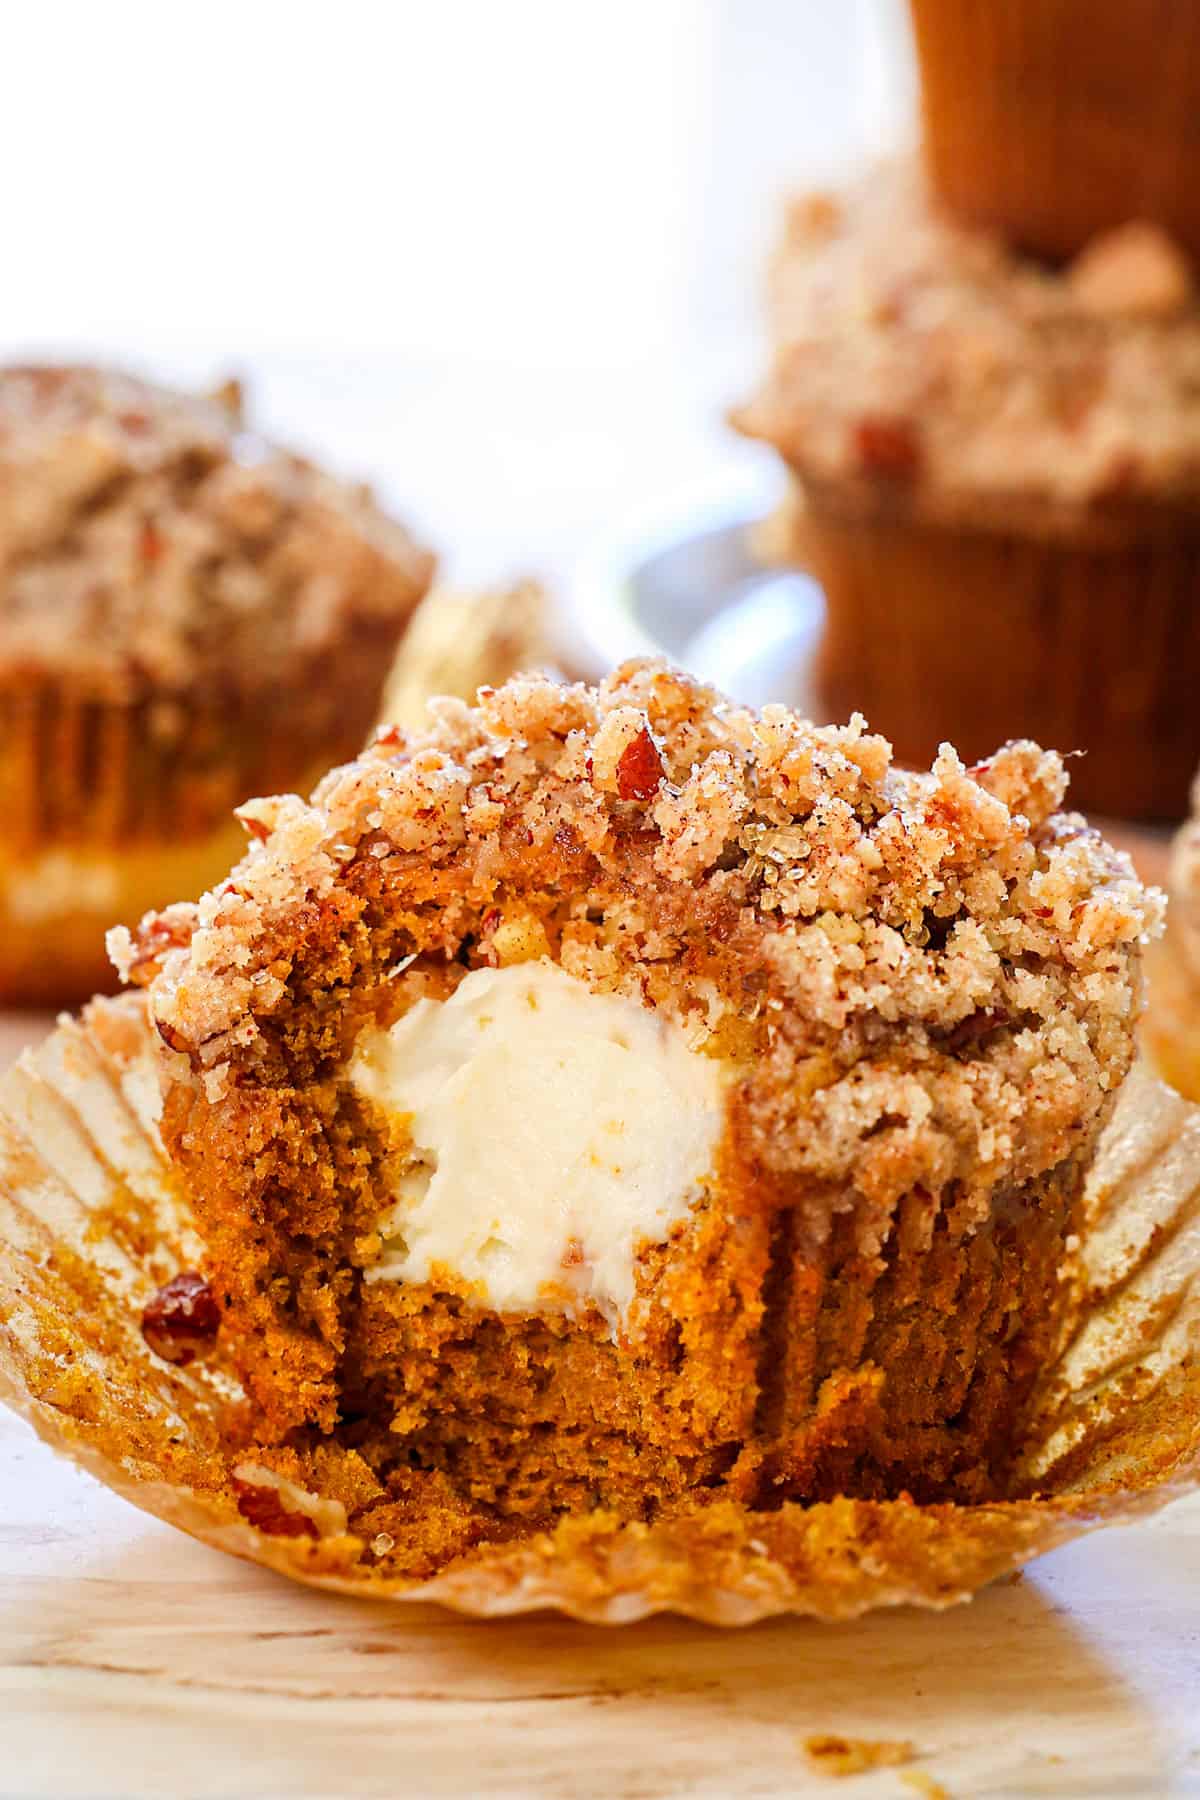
(134, 1662)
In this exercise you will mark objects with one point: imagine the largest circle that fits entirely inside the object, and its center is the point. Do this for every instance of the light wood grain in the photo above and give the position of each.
(133, 1662)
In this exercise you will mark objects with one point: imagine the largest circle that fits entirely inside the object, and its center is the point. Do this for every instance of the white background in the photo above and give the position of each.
(502, 258)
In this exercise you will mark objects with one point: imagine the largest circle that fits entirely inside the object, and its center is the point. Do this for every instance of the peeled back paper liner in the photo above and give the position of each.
(92, 1222)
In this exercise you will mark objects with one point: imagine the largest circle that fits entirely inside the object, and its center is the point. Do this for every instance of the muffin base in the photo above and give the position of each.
(909, 1372)
(56, 908)
(111, 807)
(1052, 120)
(939, 633)
(798, 1377)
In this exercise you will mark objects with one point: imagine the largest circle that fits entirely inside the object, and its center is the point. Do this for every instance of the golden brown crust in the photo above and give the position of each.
(150, 543)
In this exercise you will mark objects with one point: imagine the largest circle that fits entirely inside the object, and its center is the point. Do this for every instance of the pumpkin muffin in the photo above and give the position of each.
(618, 1098)
(998, 483)
(187, 616)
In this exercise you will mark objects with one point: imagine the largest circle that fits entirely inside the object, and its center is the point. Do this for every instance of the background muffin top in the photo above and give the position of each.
(935, 360)
(148, 541)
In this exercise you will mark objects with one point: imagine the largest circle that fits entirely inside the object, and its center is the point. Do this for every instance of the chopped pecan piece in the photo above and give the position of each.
(181, 1321)
(1124, 476)
(170, 929)
(262, 1507)
(887, 446)
(973, 1031)
(639, 770)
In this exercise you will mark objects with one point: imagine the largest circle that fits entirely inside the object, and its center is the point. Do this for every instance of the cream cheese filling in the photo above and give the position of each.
(555, 1132)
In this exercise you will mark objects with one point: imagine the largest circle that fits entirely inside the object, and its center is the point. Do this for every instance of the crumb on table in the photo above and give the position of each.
(831, 1754)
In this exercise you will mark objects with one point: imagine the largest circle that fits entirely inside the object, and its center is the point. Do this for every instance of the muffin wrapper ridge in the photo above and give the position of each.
(93, 1221)
(1091, 669)
(138, 790)
(88, 770)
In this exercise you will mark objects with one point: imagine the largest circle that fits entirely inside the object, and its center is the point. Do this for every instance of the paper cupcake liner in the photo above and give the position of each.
(458, 641)
(978, 636)
(1052, 120)
(82, 768)
(1171, 1026)
(92, 1221)
(110, 806)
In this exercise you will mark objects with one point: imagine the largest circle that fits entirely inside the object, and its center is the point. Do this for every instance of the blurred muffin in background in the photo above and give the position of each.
(1054, 120)
(460, 641)
(997, 474)
(1171, 1026)
(187, 616)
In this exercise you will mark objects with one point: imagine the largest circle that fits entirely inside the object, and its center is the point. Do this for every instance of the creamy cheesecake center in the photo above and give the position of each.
(555, 1132)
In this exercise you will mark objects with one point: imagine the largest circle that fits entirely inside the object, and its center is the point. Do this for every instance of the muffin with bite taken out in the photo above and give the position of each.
(620, 1098)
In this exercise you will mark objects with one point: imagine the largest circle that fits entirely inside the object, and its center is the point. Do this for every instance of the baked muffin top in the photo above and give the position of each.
(927, 977)
(148, 542)
(932, 365)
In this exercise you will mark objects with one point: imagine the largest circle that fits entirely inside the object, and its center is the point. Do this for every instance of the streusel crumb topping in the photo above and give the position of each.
(922, 977)
(939, 364)
(148, 536)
